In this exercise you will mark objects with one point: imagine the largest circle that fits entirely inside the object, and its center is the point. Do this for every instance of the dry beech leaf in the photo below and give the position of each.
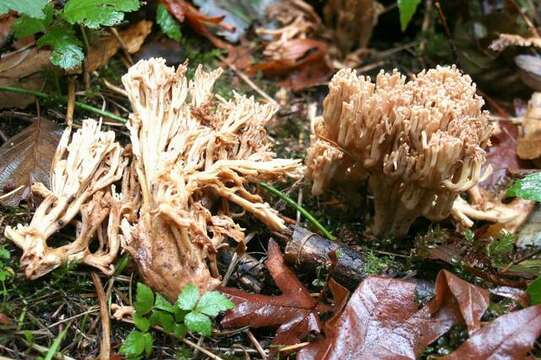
(382, 319)
(22, 68)
(106, 47)
(510, 336)
(26, 158)
(294, 312)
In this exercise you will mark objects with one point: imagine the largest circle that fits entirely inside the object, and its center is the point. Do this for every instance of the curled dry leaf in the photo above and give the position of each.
(510, 336)
(22, 68)
(26, 159)
(82, 172)
(382, 319)
(295, 313)
(104, 48)
(194, 156)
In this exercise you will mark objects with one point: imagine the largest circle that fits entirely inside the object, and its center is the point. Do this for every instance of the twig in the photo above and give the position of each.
(115, 88)
(202, 349)
(62, 100)
(105, 346)
(71, 101)
(299, 208)
(257, 345)
(250, 83)
(293, 347)
(527, 20)
(122, 45)
(447, 31)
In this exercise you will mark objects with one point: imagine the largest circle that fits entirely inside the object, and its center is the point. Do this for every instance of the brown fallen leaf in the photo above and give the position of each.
(294, 312)
(107, 46)
(22, 68)
(510, 336)
(382, 319)
(5, 320)
(25, 159)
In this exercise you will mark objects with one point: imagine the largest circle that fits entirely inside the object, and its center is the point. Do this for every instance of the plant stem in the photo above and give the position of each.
(62, 100)
(299, 208)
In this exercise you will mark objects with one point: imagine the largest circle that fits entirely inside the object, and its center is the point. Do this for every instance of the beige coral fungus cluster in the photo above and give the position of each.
(82, 173)
(419, 143)
(194, 156)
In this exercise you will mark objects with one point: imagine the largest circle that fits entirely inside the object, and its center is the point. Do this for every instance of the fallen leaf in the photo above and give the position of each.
(518, 295)
(294, 312)
(26, 158)
(382, 319)
(22, 68)
(5, 320)
(510, 336)
(6, 21)
(200, 23)
(107, 46)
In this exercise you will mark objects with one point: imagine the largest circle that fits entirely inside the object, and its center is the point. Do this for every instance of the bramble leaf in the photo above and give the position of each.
(144, 299)
(198, 323)
(66, 48)
(188, 297)
(26, 25)
(96, 13)
(534, 291)
(133, 345)
(32, 8)
(407, 9)
(161, 303)
(147, 338)
(168, 24)
(141, 322)
(528, 188)
(214, 302)
(163, 319)
(180, 330)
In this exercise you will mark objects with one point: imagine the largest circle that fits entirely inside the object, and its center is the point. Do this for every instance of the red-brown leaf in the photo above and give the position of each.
(295, 312)
(510, 336)
(382, 320)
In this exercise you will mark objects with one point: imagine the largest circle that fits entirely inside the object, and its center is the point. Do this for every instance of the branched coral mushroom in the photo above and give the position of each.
(82, 174)
(194, 155)
(418, 142)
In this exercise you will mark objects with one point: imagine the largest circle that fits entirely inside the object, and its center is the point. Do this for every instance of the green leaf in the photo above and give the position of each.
(96, 13)
(180, 314)
(407, 9)
(180, 330)
(214, 302)
(534, 291)
(4, 253)
(144, 299)
(141, 322)
(163, 319)
(168, 24)
(199, 323)
(67, 52)
(133, 345)
(161, 303)
(528, 187)
(56, 343)
(188, 297)
(26, 25)
(147, 337)
(32, 8)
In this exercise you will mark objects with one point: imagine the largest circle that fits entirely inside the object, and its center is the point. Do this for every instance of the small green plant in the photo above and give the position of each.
(168, 24)
(58, 26)
(500, 249)
(407, 9)
(6, 272)
(191, 312)
(528, 188)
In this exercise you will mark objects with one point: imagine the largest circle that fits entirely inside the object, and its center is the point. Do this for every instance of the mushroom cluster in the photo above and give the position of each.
(194, 160)
(418, 142)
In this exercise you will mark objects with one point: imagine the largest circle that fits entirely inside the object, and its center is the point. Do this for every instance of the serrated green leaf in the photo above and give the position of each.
(188, 297)
(162, 303)
(180, 330)
(96, 13)
(180, 314)
(528, 187)
(147, 337)
(163, 319)
(144, 299)
(534, 291)
(213, 302)
(4, 253)
(141, 322)
(168, 24)
(66, 48)
(32, 8)
(407, 9)
(199, 323)
(133, 345)
(26, 25)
